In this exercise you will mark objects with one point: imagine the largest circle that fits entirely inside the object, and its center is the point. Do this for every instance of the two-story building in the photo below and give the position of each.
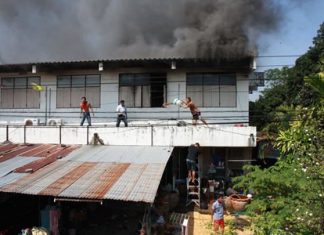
(48, 96)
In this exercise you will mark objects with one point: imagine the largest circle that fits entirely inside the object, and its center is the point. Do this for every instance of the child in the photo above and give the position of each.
(218, 214)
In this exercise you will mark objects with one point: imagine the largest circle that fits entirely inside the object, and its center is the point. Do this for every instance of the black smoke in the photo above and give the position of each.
(51, 30)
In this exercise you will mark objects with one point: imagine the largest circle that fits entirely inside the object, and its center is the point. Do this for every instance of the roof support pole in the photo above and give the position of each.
(24, 134)
(60, 134)
(87, 135)
(7, 133)
(57, 199)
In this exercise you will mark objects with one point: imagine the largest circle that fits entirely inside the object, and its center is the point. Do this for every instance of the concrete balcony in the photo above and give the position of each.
(153, 135)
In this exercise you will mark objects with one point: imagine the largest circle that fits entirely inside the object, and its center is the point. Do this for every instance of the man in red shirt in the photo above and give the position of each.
(196, 114)
(85, 107)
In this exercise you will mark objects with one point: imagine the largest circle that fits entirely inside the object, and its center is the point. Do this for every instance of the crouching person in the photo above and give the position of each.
(96, 140)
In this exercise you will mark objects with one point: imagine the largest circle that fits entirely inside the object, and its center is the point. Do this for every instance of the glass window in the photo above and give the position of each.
(7, 82)
(211, 79)
(143, 89)
(92, 80)
(211, 89)
(21, 82)
(70, 89)
(63, 81)
(32, 80)
(78, 81)
(227, 79)
(194, 79)
(126, 80)
(17, 92)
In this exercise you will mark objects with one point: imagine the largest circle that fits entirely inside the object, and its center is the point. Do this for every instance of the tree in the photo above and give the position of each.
(289, 196)
(289, 87)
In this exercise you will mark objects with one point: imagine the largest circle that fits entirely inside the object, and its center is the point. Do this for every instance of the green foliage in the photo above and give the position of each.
(316, 82)
(289, 196)
(290, 87)
(280, 118)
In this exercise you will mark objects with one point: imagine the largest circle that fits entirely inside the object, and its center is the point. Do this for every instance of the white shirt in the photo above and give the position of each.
(121, 109)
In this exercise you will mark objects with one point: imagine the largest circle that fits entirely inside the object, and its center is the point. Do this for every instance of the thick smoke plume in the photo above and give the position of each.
(49, 30)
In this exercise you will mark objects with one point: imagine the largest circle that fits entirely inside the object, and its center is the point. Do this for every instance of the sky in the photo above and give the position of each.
(294, 37)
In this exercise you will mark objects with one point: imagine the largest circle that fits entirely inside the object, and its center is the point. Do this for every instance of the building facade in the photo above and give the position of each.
(48, 95)
(220, 90)
(47, 157)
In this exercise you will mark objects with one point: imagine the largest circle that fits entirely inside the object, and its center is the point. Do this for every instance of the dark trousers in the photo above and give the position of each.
(86, 115)
(121, 118)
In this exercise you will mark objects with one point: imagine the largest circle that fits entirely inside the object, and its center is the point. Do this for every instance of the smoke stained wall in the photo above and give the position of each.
(47, 30)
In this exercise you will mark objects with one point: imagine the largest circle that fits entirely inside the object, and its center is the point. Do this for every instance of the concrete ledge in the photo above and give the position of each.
(212, 135)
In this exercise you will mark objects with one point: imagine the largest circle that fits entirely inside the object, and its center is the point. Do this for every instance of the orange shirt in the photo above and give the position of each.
(85, 106)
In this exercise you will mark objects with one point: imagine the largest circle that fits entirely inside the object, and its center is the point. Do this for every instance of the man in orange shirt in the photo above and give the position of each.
(85, 107)
(196, 114)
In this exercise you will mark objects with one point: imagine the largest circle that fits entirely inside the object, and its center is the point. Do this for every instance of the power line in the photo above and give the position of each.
(275, 65)
(277, 56)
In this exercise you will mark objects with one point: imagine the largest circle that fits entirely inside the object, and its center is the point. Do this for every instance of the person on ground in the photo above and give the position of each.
(196, 114)
(218, 211)
(193, 152)
(121, 113)
(85, 107)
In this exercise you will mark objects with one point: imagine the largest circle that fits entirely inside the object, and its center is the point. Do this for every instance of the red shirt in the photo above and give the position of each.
(84, 105)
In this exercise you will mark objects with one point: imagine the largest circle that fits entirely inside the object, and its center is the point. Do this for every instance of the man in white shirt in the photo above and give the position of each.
(121, 113)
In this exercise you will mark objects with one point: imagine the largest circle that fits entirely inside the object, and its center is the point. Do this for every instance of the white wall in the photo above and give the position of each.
(221, 136)
(176, 88)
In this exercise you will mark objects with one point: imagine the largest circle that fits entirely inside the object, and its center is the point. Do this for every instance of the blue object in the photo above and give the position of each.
(45, 218)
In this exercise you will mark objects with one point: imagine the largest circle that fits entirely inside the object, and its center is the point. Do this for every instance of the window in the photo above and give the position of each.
(70, 89)
(142, 90)
(17, 92)
(212, 90)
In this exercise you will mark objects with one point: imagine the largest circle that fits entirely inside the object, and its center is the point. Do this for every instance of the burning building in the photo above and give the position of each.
(203, 50)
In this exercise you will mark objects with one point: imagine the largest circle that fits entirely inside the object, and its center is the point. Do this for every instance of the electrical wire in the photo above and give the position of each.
(277, 56)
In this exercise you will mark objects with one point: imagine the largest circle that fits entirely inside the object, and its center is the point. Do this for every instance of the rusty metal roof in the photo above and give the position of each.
(13, 163)
(128, 173)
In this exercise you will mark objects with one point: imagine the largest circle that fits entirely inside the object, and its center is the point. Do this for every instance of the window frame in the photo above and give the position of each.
(203, 85)
(27, 87)
(147, 81)
(70, 87)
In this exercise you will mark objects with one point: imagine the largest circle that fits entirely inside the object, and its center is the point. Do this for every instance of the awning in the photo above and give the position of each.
(128, 173)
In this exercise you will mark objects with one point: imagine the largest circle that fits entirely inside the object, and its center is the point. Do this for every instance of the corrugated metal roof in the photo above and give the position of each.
(163, 63)
(120, 154)
(13, 163)
(129, 173)
(121, 60)
(10, 178)
(16, 159)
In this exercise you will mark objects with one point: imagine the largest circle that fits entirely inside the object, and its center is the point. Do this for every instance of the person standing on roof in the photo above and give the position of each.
(85, 107)
(196, 114)
(121, 113)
